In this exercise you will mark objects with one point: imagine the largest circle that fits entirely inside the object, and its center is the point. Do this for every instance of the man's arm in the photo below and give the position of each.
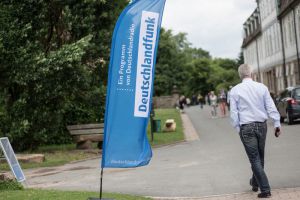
(234, 115)
(271, 109)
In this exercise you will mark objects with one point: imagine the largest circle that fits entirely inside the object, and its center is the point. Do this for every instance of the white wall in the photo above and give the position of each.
(250, 55)
(271, 53)
(289, 37)
(268, 12)
(297, 10)
(270, 45)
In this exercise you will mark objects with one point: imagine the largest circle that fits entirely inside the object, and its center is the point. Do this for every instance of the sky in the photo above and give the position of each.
(213, 25)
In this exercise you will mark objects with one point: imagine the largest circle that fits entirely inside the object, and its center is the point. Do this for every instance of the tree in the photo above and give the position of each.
(171, 62)
(224, 74)
(174, 59)
(226, 63)
(199, 72)
(191, 69)
(197, 53)
(53, 66)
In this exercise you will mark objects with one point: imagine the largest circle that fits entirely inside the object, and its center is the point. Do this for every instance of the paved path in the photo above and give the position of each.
(277, 194)
(214, 165)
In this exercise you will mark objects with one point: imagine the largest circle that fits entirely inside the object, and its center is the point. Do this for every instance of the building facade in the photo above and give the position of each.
(271, 43)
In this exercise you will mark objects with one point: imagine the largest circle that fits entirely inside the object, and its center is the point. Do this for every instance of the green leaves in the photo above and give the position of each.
(54, 58)
(191, 69)
(51, 74)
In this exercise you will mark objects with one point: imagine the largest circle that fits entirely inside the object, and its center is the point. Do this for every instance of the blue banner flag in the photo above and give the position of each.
(130, 85)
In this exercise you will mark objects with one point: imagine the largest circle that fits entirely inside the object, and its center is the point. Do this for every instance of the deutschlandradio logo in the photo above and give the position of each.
(147, 42)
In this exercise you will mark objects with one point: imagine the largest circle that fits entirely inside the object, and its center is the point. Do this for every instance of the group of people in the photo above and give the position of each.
(222, 100)
(250, 106)
(211, 99)
(185, 101)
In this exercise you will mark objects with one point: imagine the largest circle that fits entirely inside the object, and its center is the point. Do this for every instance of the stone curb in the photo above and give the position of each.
(188, 128)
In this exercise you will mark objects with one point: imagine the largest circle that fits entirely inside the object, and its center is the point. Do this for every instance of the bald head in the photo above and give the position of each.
(245, 71)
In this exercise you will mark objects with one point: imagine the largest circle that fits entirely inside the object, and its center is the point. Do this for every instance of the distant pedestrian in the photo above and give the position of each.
(228, 97)
(208, 98)
(200, 100)
(182, 102)
(222, 102)
(194, 100)
(188, 101)
(214, 103)
(251, 105)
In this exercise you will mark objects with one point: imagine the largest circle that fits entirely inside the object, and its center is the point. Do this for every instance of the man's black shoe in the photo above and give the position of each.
(264, 195)
(254, 188)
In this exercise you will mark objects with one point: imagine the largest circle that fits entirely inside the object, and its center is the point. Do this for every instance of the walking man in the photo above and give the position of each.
(214, 103)
(250, 107)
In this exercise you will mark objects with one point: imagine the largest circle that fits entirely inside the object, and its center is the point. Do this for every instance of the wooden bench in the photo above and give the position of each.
(85, 134)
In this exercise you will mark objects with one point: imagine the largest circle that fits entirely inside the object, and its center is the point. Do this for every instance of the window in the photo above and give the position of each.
(260, 50)
(272, 40)
(267, 7)
(286, 32)
(274, 2)
(298, 22)
(291, 30)
(297, 93)
(292, 69)
(263, 9)
(246, 32)
(278, 36)
(280, 71)
(270, 47)
(266, 44)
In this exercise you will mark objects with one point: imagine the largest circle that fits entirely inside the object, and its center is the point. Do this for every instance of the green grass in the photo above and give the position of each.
(61, 154)
(163, 138)
(56, 155)
(60, 195)
(53, 148)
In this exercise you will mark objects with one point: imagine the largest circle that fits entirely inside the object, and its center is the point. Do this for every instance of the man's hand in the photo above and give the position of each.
(277, 131)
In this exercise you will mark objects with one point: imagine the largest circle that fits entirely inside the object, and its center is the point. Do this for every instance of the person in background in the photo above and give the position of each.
(250, 107)
(200, 100)
(182, 102)
(228, 98)
(188, 101)
(194, 100)
(208, 98)
(214, 103)
(222, 102)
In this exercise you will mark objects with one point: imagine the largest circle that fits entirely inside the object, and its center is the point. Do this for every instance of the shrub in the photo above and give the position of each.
(10, 185)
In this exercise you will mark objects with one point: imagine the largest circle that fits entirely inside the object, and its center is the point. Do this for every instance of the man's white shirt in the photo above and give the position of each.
(250, 101)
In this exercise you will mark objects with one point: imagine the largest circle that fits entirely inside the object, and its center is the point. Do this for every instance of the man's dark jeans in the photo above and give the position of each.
(253, 136)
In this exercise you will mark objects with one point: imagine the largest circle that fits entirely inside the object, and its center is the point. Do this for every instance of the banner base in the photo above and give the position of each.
(94, 198)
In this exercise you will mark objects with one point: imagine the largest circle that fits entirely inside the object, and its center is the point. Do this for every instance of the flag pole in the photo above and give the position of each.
(101, 186)
(101, 182)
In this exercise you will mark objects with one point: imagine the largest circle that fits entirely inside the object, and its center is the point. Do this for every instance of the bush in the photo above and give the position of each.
(10, 185)
(60, 95)
(53, 70)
